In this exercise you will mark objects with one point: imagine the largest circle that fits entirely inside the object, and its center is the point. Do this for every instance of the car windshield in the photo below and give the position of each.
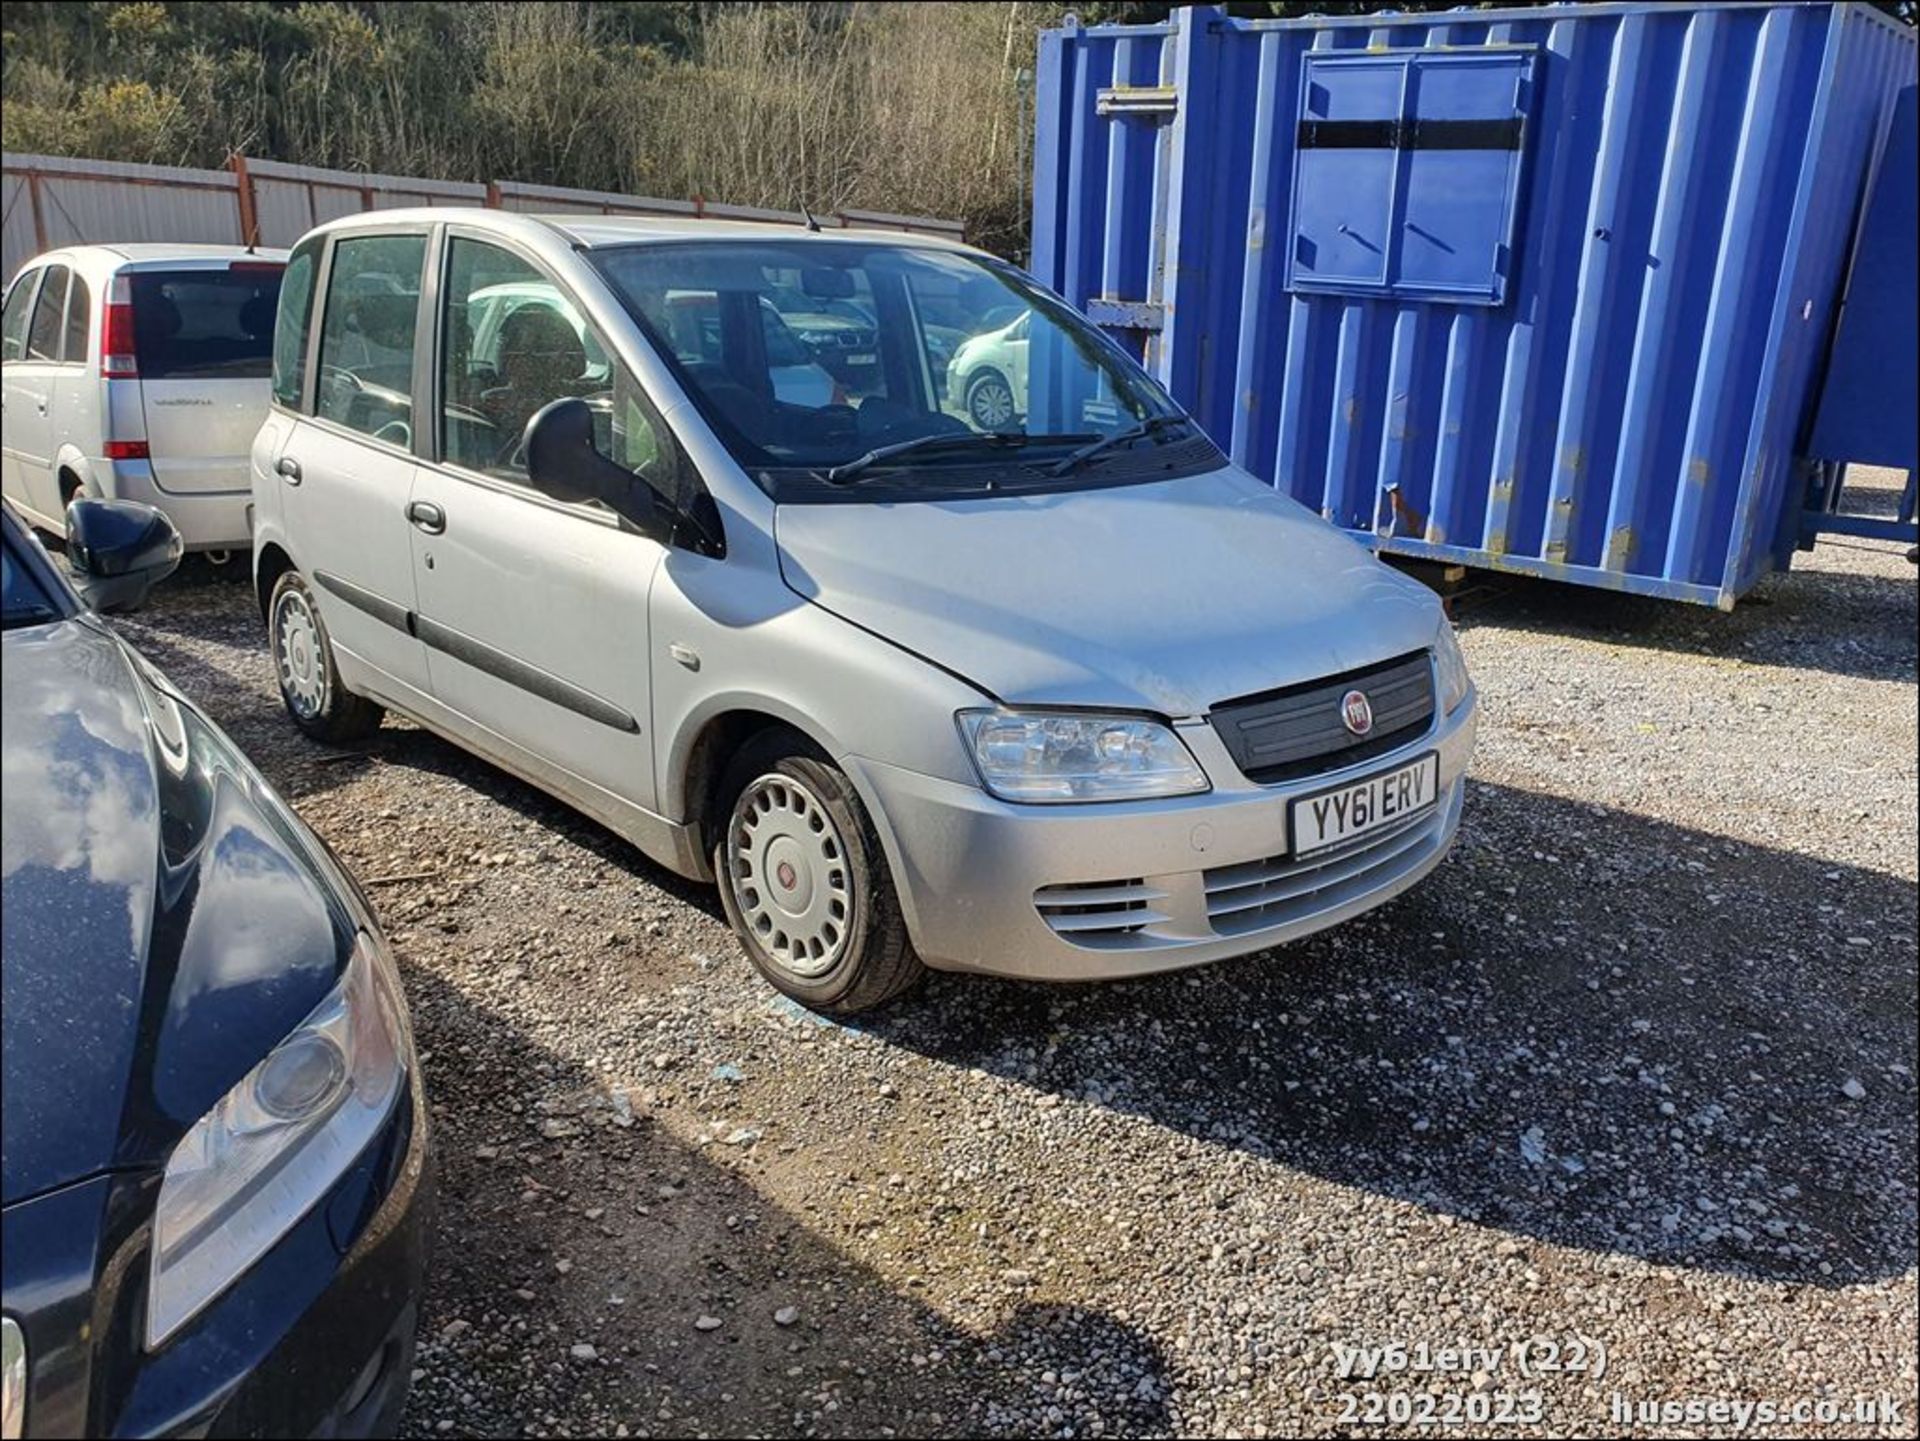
(24, 600)
(808, 356)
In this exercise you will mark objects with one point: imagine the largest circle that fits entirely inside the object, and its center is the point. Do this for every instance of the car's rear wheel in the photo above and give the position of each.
(990, 401)
(303, 664)
(805, 883)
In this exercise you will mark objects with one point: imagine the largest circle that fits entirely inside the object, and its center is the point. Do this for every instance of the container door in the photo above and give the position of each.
(1345, 177)
(1407, 176)
(1462, 158)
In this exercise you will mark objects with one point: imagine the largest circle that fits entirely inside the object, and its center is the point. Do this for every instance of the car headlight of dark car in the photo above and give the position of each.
(275, 1145)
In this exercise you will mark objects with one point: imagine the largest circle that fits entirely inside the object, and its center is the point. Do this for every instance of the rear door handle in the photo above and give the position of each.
(427, 516)
(288, 469)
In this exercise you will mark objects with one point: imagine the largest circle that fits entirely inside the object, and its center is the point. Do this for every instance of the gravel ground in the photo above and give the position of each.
(1632, 1074)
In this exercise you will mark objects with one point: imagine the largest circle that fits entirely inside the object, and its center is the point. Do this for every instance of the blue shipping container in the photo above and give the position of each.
(1548, 290)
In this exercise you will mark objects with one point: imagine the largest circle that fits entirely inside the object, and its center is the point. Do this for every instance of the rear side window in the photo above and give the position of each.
(79, 316)
(205, 324)
(49, 316)
(367, 333)
(14, 325)
(291, 326)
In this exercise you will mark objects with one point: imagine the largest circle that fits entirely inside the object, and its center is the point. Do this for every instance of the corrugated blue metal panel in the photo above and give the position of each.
(1630, 412)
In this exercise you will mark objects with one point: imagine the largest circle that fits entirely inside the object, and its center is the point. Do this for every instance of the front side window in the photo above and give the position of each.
(291, 323)
(367, 335)
(205, 324)
(808, 355)
(49, 316)
(512, 342)
(13, 326)
(79, 317)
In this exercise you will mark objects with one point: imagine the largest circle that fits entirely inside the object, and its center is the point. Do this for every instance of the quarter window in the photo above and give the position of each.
(367, 335)
(290, 326)
(49, 316)
(13, 327)
(79, 313)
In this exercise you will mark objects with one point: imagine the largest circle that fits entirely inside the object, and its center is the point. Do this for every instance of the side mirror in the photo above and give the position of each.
(118, 550)
(563, 462)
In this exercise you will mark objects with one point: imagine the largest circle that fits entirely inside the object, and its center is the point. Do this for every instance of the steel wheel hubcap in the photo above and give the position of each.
(992, 405)
(788, 868)
(303, 676)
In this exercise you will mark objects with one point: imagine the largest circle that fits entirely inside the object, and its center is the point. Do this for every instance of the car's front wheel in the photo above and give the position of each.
(303, 664)
(805, 883)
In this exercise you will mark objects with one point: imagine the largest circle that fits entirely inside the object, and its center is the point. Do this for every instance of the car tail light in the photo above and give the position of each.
(128, 450)
(264, 267)
(117, 358)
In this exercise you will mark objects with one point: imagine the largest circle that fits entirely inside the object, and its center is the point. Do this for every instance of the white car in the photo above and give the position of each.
(987, 377)
(139, 372)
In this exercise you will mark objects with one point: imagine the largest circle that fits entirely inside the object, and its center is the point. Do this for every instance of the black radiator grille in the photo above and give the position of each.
(1298, 731)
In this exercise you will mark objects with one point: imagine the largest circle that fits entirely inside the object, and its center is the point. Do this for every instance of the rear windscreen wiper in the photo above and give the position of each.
(947, 440)
(1152, 425)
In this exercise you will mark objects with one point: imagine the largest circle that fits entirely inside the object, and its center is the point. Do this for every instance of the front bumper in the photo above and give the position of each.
(969, 867)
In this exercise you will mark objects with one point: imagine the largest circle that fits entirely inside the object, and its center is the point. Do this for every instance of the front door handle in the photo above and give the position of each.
(427, 516)
(288, 469)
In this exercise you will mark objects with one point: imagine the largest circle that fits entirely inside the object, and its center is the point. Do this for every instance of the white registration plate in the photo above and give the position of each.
(862, 357)
(1354, 809)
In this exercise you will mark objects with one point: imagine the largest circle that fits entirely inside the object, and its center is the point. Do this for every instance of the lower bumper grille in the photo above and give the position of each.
(1223, 902)
(1107, 914)
(1259, 894)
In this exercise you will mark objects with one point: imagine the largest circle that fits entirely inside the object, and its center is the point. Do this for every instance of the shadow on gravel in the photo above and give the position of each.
(622, 1237)
(1848, 624)
(1590, 1028)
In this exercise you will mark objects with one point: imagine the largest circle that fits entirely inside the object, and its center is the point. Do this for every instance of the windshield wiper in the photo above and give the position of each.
(968, 440)
(1152, 425)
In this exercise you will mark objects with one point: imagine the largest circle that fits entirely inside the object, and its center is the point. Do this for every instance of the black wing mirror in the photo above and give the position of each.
(563, 462)
(118, 550)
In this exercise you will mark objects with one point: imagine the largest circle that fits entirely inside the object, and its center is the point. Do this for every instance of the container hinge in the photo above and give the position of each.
(1127, 314)
(1137, 100)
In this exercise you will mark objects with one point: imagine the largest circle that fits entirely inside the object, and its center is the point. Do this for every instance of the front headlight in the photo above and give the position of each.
(1063, 756)
(1451, 666)
(276, 1143)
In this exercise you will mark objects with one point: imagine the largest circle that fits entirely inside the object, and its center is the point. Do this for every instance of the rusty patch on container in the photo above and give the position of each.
(1405, 516)
(1699, 472)
(1351, 410)
(1620, 548)
(1574, 460)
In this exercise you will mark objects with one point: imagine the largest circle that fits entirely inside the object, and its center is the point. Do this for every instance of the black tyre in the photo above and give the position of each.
(805, 883)
(303, 664)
